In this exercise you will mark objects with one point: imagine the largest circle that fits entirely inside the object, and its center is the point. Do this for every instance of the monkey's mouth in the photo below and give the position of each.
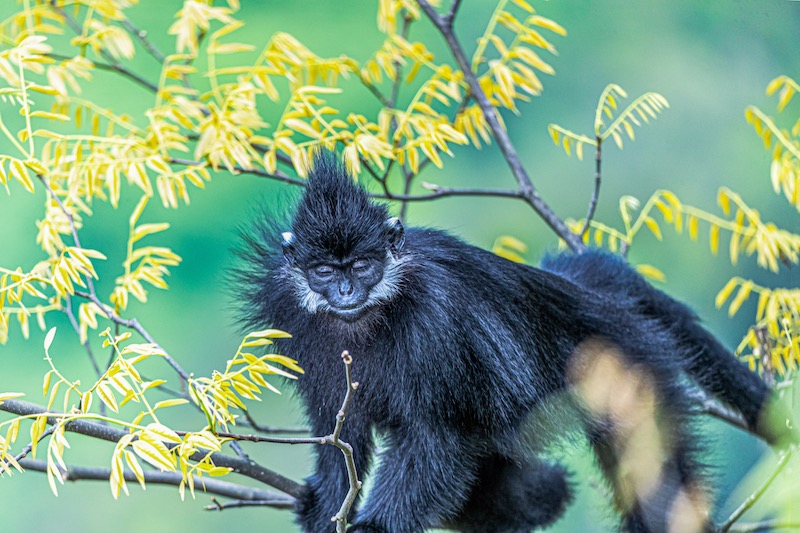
(348, 314)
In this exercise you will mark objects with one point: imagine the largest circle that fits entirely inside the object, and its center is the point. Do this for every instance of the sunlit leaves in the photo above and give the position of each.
(146, 264)
(510, 248)
(110, 38)
(609, 124)
(513, 74)
(777, 314)
(195, 17)
(243, 378)
(783, 141)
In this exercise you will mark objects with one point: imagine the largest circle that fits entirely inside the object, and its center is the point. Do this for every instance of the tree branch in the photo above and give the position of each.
(527, 189)
(113, 64)
(212, 486)
(141, 36)
(444, 192)
(333, 439)
(598, 158)
(133, 323)
(245, 467)
(277, 502)
(277, 175)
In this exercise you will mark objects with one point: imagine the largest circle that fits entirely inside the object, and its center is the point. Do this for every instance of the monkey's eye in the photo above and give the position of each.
(322, 271)
(361, 266)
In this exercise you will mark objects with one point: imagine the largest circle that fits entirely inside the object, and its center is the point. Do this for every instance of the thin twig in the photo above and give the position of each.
(451, 15)
(527, 189)
(277, 175)
(86, 345)
(133, 323)
(385, 102)
(333, 439)
(352, 475)
(114, 67)
(141, 36)
(444, 192)
(29, 447)
(276, 502)
(754, 497)
(270, 429)
(598, 159)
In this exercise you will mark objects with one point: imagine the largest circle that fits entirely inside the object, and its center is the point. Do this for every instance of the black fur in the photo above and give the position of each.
(457, 353)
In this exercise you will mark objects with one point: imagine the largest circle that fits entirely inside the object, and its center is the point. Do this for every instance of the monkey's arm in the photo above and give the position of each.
(422, 480)
(327, 488)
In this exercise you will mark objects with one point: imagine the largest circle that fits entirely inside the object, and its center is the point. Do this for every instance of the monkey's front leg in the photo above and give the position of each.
(422, 481)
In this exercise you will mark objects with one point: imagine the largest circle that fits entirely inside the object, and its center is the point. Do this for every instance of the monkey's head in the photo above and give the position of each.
(343, 253)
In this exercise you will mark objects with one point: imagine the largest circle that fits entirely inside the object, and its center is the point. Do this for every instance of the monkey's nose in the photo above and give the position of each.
(345, 287)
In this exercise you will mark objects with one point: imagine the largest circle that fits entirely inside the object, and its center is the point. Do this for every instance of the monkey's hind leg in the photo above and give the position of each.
(513, 497)
(638, 422)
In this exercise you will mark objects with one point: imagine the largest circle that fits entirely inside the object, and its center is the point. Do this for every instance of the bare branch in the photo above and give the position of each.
(444, 192)
(385, 102)
(86, 345)
(276, 502)
(141, 36)
(527, 190)
(245, 467)
(133, 323)
(277, 175)
(352, 475)
(448, 20)
(270, 429)
(211, 486)
(113, 64)
(598, 158)
(333, 439)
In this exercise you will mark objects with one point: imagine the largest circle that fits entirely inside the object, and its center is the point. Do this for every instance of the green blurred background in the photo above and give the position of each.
(710, 59)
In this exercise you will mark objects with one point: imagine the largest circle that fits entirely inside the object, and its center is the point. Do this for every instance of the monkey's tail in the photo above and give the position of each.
(712, 366)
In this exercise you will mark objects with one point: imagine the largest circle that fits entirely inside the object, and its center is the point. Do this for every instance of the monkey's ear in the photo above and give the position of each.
(395, 234)
(287, 243)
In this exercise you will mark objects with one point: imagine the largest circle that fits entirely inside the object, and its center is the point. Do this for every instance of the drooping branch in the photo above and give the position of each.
(247, 468)
(527, 190)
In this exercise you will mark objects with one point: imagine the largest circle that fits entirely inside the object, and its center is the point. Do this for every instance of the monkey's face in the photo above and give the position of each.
(345, 286)
(345, 283)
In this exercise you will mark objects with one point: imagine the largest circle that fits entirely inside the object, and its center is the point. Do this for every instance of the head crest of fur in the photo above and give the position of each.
(335, 217)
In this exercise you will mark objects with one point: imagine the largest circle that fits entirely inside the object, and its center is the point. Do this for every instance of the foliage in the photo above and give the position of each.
(201, 121)
(778, 312)
(80, 153)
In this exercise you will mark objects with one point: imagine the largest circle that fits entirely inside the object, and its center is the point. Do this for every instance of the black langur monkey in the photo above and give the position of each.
(456, 349)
